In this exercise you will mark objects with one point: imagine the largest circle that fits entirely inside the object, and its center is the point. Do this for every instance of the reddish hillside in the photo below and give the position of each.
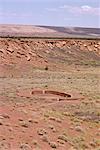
(47, 84)
(47, 53)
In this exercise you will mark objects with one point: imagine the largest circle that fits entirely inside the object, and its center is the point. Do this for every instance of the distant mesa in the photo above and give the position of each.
(47, 31)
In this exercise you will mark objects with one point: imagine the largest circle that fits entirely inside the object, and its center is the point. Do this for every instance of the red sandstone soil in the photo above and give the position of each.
(28, 54)
(43, 122)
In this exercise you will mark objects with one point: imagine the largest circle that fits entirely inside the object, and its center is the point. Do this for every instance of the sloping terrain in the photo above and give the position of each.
(49, 94)
(53, 54)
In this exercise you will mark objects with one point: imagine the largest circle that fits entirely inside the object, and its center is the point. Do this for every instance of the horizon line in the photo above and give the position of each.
(43, 25)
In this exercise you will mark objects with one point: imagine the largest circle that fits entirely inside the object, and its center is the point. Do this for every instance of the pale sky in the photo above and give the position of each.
(80, 13)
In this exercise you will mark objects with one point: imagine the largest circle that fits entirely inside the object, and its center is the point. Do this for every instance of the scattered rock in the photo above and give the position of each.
(45, 138)
(35, 121)
(11, 50)
(66, 113)
(93, 144)
(79, 129)
(41, 132)
(63, 138)
(1, 122)
(24, 124)
(4, 145)
(10, 129)
(25, 147)
(53, 144)
(52, 118)
(6, 116)
(20, 119)
(51, 127)
(58, 120)
(30, 120)
(28, 57)
(60, 141)
(1, 117)
(34, 142)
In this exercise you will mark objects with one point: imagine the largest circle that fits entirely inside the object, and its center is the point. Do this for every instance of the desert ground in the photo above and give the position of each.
(49, 94)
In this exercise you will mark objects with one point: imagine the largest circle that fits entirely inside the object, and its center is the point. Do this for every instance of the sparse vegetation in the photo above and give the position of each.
(36, 121)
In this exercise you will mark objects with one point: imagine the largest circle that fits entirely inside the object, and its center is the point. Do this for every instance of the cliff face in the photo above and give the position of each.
(44, 52)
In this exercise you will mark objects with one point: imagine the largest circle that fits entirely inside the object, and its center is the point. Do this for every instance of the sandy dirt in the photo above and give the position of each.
(35, 120)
